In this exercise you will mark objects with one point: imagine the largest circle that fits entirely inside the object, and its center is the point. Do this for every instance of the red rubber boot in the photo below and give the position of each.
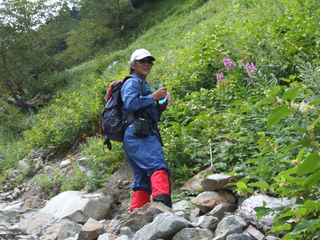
(161, 187)
(139, 199)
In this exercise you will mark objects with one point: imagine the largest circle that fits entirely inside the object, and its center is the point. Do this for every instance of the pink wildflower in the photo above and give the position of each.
(228, 63)
(168, 97)
(219, 76)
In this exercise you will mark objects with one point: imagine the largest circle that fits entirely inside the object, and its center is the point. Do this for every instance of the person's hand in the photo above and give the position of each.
(160, 93)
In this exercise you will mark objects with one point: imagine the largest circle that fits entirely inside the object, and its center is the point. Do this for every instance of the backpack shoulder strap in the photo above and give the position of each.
(143, 87)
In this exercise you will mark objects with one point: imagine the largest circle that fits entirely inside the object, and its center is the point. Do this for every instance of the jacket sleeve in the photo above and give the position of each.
(132, 97)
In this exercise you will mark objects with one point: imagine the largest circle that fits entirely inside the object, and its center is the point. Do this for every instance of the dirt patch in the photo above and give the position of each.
(119, 186)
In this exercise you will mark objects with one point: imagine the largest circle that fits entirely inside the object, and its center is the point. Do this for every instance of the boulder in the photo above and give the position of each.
(78, 206)
(91, 230)
(247, 212)
(208, 200)
(164, 226)
(229, 225)
(182, 205)
(216, 182)
(9, 212)
(140, 217)
(252, 231)
(32, 204)
(220, 210)
(208, 222)
(194, 234)
(37, 223)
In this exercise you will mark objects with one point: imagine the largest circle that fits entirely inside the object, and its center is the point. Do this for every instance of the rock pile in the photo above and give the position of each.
(215, 214)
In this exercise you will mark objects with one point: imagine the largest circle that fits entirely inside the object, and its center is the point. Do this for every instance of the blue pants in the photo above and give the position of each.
(145, 156)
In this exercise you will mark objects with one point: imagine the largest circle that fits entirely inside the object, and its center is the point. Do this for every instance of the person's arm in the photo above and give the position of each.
(132, 97)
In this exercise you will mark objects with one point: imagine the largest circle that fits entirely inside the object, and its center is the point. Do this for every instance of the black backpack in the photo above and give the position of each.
(113, 123)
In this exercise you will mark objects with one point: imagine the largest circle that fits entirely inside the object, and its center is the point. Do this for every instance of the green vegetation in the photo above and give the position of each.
(244, 81)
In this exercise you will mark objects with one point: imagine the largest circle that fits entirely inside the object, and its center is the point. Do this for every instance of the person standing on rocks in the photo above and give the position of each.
(142, 142)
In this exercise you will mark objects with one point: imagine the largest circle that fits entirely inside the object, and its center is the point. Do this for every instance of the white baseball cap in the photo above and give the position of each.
(140, 54)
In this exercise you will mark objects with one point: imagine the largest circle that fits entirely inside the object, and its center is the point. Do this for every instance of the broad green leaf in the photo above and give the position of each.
(288, 172)
(301, 143)
(312, 205)
(285, 227)
(304, 130)
(241, 185)
(309, 165)
(244, 180)
(249, 190)
(314, 102)
(277, 115)
(273, 91)
(259, 185)
(283, 191)
(291, 94)
(307, 225)
(312, 180)
(315, 122)
(300, 155)
(286, 80)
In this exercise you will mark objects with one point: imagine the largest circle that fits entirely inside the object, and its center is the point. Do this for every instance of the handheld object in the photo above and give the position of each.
(163, 100)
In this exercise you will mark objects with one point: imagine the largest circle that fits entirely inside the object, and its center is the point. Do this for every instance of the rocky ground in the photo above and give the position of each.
(27, 212)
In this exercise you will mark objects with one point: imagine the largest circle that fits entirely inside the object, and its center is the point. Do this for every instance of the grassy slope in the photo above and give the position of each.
(183, 40)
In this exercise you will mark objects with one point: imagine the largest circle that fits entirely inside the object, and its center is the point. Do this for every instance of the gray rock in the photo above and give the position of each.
(25, 237)
(215, 182)
(229, 225)
(78, 206)
(164, 226)
(15, 229)
(139, 217)
(37, 223)
(91, 230)
(38, 163)
(6, 235)
(208, 200)
(240, 236)
(209, 222)
(182, 205)
(126, 231)
(107, 236)
(194, 215)
(68, 229)
(32, 204)
(247, 212)
(252, 231)
(9, 212)
(51, 233)
(194, 234)
(272, 238)
(22, 164)
(220, 210)
(183, 214)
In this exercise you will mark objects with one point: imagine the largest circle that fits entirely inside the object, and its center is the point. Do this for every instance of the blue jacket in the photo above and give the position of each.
(133, 99)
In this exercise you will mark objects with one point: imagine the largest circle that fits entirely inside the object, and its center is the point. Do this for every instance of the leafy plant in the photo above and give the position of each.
(101, 161)
(76, 182)
(301, 178)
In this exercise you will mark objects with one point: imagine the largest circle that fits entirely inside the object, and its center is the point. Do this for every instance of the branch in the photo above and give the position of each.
(31, 103)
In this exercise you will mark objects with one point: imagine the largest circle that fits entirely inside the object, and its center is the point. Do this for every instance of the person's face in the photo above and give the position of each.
(142, 67)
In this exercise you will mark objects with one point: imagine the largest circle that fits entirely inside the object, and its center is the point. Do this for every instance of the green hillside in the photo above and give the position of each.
(244, 78)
